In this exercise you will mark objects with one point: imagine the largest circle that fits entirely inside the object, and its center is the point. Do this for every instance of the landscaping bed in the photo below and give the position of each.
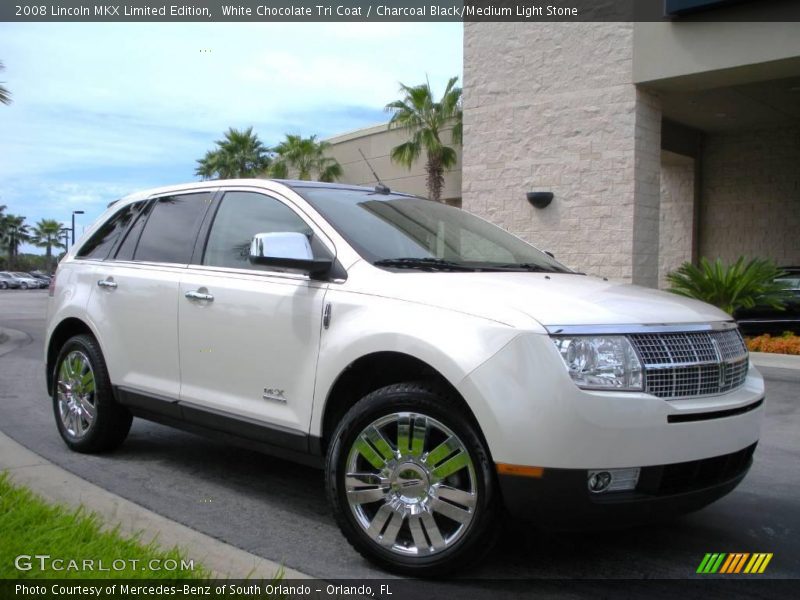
(788, 343)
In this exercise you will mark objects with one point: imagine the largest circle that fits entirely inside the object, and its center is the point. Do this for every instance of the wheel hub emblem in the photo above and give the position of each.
(410, 483)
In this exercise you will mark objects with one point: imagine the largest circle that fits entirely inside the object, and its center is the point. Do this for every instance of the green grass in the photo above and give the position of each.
(30, 526)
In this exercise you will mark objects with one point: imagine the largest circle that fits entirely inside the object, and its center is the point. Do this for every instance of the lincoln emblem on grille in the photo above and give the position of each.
(723, 366)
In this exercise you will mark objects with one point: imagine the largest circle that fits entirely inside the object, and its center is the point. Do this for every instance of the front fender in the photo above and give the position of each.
(452, 343)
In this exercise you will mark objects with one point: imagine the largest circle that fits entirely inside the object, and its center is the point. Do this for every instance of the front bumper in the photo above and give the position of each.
(532, 414)
(560, 499)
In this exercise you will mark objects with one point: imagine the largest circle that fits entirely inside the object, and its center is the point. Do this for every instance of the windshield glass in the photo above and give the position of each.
(384, 228)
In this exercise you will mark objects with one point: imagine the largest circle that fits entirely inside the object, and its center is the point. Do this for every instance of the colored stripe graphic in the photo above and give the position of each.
(734, 563)
(724, 563)
(711, 563)
(759, 562)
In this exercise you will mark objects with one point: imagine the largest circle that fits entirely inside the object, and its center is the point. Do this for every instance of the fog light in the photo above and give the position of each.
(613, 480)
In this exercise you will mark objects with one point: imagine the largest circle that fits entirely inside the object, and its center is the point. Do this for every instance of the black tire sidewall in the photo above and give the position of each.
(112, 421)
(427, 400)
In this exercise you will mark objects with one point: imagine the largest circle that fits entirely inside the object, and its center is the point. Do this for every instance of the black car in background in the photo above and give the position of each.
(765, 319)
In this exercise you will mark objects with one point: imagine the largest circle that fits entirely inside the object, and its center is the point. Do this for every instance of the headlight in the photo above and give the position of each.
(601, 362)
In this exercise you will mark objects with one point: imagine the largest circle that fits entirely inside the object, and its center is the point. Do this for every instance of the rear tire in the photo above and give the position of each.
(3, 285)
(411, 483)
(23, 286)
(87, 415)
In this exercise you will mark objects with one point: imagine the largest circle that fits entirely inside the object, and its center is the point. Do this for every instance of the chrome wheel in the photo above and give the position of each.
(411, 485)
(75, 396)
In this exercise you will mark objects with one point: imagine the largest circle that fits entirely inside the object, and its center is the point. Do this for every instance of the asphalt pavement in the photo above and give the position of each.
(277, 510)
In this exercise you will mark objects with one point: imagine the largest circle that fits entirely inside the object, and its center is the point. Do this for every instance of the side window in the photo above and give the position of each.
(240, 217)
(99, 245)
(170, 230)
(128, 245)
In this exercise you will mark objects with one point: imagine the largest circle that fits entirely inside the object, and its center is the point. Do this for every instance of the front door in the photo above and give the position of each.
(249, 335)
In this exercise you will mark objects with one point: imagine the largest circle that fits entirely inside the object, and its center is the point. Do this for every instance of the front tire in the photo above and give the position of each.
(88, 418)
(411, 482)
(23, 286)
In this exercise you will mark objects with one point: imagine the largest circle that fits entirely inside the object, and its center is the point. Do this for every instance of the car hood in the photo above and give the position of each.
(549, 299)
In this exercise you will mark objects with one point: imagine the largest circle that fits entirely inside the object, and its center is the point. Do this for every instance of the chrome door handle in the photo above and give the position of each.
(107, 283)
(199, 296)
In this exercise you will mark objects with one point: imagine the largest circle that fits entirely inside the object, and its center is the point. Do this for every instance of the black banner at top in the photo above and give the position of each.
(396, 10)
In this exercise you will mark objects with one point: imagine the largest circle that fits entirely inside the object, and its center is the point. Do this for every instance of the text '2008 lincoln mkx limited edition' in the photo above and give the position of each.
(440, 369)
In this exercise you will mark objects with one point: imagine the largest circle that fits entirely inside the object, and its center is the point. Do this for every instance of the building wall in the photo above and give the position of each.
(677, 215)
(711, 54)
(751, 196)
(376, 143)
(552, 107)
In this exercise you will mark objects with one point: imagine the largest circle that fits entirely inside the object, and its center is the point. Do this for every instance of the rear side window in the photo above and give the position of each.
(170, 230)
(128, 245)
(99, 245)
(240, 217)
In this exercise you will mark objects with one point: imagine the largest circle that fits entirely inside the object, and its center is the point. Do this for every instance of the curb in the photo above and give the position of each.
(776, 361)
(56, 485)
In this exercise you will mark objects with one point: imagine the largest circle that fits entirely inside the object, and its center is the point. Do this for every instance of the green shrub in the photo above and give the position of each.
(731, 287)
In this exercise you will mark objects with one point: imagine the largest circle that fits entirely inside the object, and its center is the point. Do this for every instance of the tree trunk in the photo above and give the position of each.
(435, 180)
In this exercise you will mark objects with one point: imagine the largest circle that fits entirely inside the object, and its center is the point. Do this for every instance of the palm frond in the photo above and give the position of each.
(731, 287)
(5, 95)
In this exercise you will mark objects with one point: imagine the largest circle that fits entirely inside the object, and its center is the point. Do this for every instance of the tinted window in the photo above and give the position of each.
(240, 217)
(128, 245)
(100, 244)
(171, 229)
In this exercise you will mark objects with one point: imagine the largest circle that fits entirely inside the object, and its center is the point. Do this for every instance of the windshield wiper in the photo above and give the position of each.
(430, 263)
(532, 267)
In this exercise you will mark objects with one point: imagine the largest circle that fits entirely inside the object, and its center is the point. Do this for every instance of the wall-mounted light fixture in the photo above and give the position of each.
(540, 199)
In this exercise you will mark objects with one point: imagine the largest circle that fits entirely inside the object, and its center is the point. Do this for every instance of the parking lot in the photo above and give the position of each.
(277, 509)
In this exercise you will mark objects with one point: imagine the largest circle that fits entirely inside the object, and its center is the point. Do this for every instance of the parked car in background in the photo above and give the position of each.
(28, 281)
(41, 277)
(8, 281)
(766, 319)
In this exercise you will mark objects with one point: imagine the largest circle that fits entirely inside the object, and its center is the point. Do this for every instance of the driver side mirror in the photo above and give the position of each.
(289, 250)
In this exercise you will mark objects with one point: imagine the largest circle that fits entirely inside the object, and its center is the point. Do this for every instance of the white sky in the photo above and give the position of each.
(101, 110)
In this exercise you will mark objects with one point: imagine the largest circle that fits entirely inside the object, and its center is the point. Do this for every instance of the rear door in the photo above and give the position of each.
(248, 334)
(135, 297)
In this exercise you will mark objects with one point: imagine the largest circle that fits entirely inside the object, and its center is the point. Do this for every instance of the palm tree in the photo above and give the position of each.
(303, 157)
(5, 95)
(426, 121)
(13, 232)
(239, 154)
(46, 234)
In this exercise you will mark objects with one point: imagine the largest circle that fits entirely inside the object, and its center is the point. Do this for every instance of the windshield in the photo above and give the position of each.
(404, 232)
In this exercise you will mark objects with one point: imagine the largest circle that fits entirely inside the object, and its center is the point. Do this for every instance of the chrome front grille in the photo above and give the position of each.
(687, 365)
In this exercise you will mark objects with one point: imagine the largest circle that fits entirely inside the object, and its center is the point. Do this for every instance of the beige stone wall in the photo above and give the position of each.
(751, 196)
(676, 215)
(552, 107)
(376, 143)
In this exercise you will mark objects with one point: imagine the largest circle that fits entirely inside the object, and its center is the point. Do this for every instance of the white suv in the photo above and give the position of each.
(438, 367)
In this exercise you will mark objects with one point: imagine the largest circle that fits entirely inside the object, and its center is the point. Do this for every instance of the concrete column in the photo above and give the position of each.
(677, 213)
